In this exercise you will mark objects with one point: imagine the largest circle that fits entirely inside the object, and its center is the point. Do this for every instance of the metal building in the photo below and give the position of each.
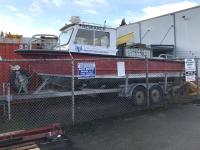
(176, 33)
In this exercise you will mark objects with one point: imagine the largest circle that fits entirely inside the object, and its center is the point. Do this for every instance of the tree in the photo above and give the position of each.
(123, 22)
(2, 34)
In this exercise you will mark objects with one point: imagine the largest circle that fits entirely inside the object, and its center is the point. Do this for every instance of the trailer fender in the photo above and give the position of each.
(127, 91)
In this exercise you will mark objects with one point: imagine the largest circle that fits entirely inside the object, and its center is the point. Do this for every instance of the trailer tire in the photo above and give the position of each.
(15, 84)
(139, 96)
(155, 94)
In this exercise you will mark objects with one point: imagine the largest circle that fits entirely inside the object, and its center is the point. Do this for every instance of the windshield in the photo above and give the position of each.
(65, 37)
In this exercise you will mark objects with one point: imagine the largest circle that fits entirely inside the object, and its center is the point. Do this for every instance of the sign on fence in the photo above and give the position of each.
(86, 70)
(121, 69)
(190, 70)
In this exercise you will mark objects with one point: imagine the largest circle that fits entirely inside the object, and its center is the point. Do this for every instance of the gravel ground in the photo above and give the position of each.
(175, 128)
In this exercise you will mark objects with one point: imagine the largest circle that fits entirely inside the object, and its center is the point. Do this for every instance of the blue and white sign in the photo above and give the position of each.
(86, 70)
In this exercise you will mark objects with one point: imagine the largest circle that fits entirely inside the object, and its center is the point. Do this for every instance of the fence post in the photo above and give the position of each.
(4, 93)
(73, 98)
(165, 86)
(126, 84)
(8, 101)
(147, 80)
(197, 77)
(3, 89)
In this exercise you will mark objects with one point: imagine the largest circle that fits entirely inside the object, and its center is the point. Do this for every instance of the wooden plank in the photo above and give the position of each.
(28, 147)
(23, 145)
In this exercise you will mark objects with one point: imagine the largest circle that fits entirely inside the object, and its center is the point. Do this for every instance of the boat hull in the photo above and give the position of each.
(58, 66)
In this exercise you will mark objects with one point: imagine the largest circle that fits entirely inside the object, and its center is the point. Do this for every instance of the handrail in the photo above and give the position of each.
(41, 38)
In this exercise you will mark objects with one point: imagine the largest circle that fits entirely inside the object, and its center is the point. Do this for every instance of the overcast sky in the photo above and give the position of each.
(30, 17)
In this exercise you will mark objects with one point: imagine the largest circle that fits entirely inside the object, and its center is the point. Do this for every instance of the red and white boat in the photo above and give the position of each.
(50, 58)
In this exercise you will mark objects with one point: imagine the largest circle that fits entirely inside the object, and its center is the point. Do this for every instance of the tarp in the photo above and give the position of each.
(124, 39)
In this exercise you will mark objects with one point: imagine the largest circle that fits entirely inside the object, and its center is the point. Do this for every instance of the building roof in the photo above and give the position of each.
(172, 13)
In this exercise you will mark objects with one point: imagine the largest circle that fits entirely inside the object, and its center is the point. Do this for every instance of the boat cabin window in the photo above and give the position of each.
(84, 37)
(65, 37)
(93, 38)
(102, 39)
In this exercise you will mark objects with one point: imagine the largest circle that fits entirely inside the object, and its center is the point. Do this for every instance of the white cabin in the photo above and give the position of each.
(87, 38)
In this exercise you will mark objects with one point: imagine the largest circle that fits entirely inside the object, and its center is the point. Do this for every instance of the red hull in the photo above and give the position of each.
(104, 65)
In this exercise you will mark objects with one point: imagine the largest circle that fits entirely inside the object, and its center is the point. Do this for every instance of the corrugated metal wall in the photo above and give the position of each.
(188, 31)
(160, 30)
(7, 50)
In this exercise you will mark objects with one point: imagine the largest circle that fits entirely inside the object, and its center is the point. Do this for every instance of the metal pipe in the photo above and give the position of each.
(140, 32)
(73, 98)
(161, 42)
(147, 80)
(165, 86)
(68, 59)
(3, 89)
(126, 84)
(174, 22)
(9, 100)
(4, 93)
(147, 31)
(197, 77)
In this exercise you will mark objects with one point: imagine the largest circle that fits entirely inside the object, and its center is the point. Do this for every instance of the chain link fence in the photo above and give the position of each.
(35, 93)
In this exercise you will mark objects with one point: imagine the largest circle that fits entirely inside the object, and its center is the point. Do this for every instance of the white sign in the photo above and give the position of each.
(190, 65)
(190, 76)
(86, 70)
(121, 69)
(190, 70)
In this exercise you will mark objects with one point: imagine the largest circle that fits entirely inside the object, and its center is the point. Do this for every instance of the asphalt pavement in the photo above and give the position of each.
(175, 128)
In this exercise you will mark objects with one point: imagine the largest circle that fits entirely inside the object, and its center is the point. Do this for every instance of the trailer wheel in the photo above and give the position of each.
(155, 94)
(20, 82)
(139, 96)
